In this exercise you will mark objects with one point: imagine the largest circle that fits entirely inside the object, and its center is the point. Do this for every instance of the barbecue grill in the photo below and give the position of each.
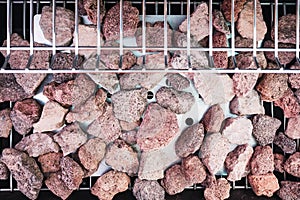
(17, 16)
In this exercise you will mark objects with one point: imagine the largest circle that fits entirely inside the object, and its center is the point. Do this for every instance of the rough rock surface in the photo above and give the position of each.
(50, 162)
(266, 184)
(264, 128)
(244, 83)
(90, 7)
(287, 144)
(218, 189)
(37, 144)
(70, 138)
(245, 22)
(179, 102)
(174, 181)
(293, 128)
(177, 81)
(56, 185)
(153, 61)
(90, 110)
(238, 7)
(219, 90)
(292, 165)
(198, 21)
(289, 104)
(91, 153)
(247, 105)
(65, 61)
(219, 22)
(121, 157)
(52, 117)
(106, 127)
(126, 126)
(193, 169)
(4, 172)
(237, 130)
(129, 137)
(24, 114)
(220, 57)
(10, 89)
(262, 160)
(213, 151)
(286, 29)
(190, 140)
(279, 162)
(289, 190)
(64, 25)
(294, 80)
(272, 86)
(284, 57)
(245, 60)
(5, 123)
(148, 190)
(213, 118)
(110, 184)
(157, 129)
(237, 161)
(111, 25)
(24, 170)
(72, 173)
(129, 105)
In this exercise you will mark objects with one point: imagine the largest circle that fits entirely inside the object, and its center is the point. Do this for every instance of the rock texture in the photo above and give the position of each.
(266, 184)
(289, 104)
(292, 164)
(238, 7)
(286, 29)
(262, 160)
(293, 128)
(72, 173)
(284, 57)
(286, 144)
(220, 57)
(213, 118)
(289, 190)
(50, 162)
(147, 190)
(177, 81)
(219, 22)
(218, 189)
(5, 123)
(244, 83)
(4, 172)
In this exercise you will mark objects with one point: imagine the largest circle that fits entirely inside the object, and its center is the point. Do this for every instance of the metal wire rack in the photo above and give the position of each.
(17, 16)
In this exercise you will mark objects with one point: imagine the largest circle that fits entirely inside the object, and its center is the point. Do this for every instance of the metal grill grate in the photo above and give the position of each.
(17, 16)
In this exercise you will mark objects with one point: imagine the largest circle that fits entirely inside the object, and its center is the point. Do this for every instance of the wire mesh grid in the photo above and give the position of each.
(20, 19)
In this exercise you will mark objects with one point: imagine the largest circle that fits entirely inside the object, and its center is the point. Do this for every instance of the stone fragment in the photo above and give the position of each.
(286, 29)
(237, 162)
(193, 170)
(213, 118)
(56, 185)
(285, 57)
(244, 83)
(265, 184)
(292, 165)
(220, 57)
(129, 137)
(50, 162)
(289, 104)
(264, 128)
(238, 7)
(293, 128)
(177, 81)
(279, 162)
(286, 144)
(110, 184)
(218, 189)
(52, 117)
(72, 173)
(4, 172)
(289, 190)
(262, 160)
(91, 7)
(5, 123)
(219, 22)
(147, 190)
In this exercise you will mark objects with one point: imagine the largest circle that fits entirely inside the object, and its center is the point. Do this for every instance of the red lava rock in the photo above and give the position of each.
(111, 25)
(213, 118)
(50, 162)
(219, 22)
(24, 114)
(157, 129)
(226, 8)
(218, 189)
(61, 93)
(286, 144)
(90, 7)
(153, 61)
(272, 86)
(279, 162)
(264, 128)
(292, 165)
(237, 162)
(220, 57)
(5, 123)
(4, 172)
(243, 83)
(129, 137)
(177, 81)
(262, 160)
(289, 104)
(64, 25)
(110, 184)
(294, 80)
(72, 173)
(284, 57)
(193, 169)
(266, 184)
(245, 60)
(293, 128)
(286, 29)
(289, 190)
(144, 189)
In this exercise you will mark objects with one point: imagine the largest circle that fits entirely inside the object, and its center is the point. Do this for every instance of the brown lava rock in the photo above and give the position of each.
(266, 184)
(220, 57)
(111, 25)
(190, 140)
(287, 145)
(110, 184)
(91, 153)
(121, 157)
(279, 162)
(292, 165)
(64, 25)
(24, 170)
(5, 123)
(91, 6)
(264, 128)
(158, 128)
(289, 104)
(293, 128)
(4, 172)
(272, 86)
(289, 190)
(50, 162)
(72, 173)
(237, 162)
(217, 189)
(213, 118)
(147, 190)
(24, 114)
(226, 8)
(262, 160)
(70, 138)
